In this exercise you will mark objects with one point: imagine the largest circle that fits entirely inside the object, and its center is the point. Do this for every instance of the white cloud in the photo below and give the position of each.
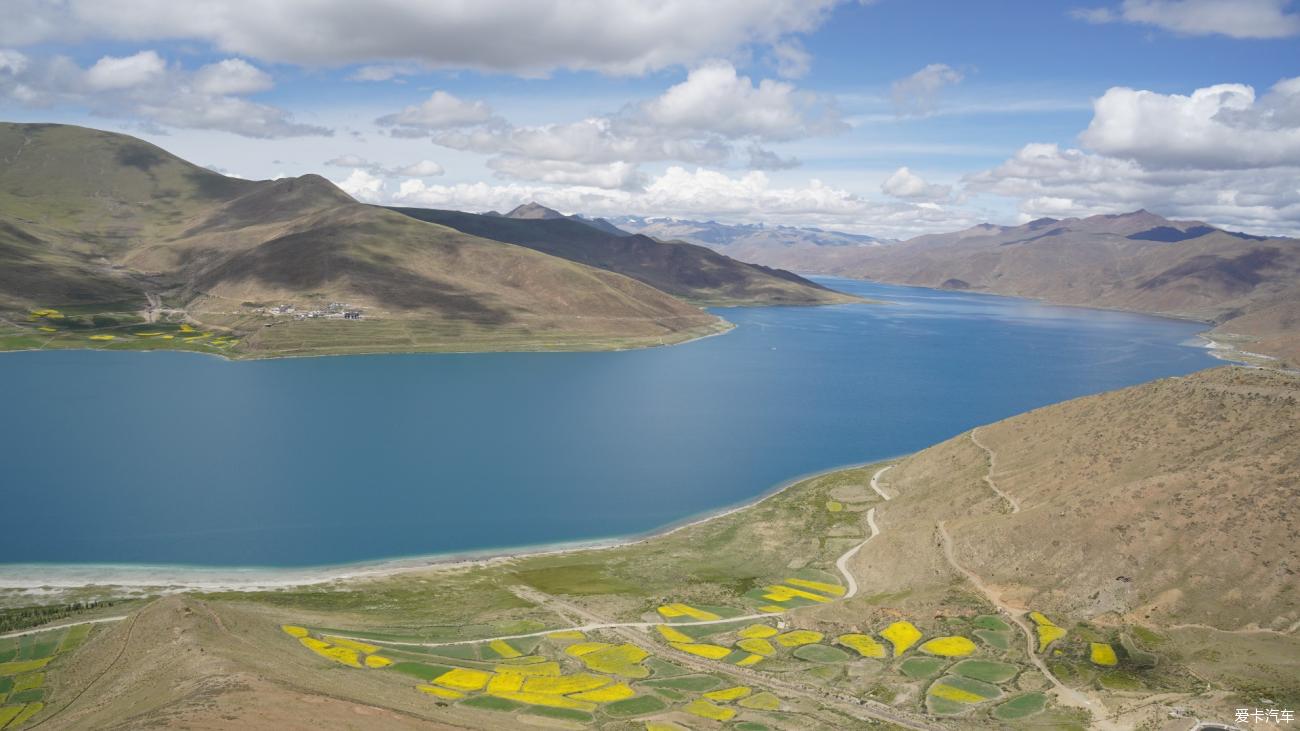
(1216, 127)
(363, 186)
(144, 88)
(702, 193)
(904, 183)
(696, 121)
(611, 36)
(1050, 181)
(792, 61)
(440, 111)
(111, 72)
(421, 169)
(916, 94)
(231, 76)
(714, 99)
(1233, 18)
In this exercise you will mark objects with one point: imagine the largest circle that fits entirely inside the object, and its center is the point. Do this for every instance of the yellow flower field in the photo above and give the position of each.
(780, 593)
(821, 586)
(705, 709)
(729, 694)
(503, 648)
(798, 637)
(375, 661)
(621, 660)
(451, 695)
(344, 655)
(712, 652)
(865, 645)
(608, 694)
(463, 679)
(673, 635)
(672, 611)
(757, 631)
(745, 662)
(582, 648)
(756, 646)
(1102, 654)
(949, 693)
(952, 646)
(103, 337)
(566, 634)
(565, 684)
(351, 644)
(901, 635)
(551, 668)
(19, 667)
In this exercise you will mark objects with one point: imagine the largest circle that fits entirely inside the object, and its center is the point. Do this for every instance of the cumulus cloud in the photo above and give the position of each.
(123, 73)
(1222, 126)
(904, 183)
(917, 93)
(702, 193)
(714, 99)
(1233, 18)
(791, 60)
(421, 169)
(145, 88)
(611, 36)
(440, 111)
(363, 186)
(1050, 181)
(1219, 154)
(697, 121)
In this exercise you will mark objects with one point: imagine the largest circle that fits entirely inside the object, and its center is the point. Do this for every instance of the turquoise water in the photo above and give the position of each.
(174, 458)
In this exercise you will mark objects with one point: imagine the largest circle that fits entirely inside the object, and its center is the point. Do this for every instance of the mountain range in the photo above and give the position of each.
(107, 223)
(695, 273)
(1247, 286)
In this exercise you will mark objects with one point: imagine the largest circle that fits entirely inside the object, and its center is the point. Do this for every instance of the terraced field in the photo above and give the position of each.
(24, 663)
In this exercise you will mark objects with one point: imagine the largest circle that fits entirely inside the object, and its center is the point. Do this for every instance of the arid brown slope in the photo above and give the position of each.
(1167, 503)
(90, 217)
(1136, 261)
(177, 663)
(685, 270)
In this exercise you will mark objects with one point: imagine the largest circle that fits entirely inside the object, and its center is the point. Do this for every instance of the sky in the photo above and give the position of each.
(891, 118)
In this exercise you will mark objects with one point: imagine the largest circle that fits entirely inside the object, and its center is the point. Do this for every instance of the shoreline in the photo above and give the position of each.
(178, 578)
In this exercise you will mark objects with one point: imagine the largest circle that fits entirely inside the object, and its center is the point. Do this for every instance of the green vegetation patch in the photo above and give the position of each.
(638, 706)
(963, 690)
(821, 653)
(994, 638)
(567, 714)
(490, 703)
(700, 631)
(420, 670)
(1136, 655)
(1120, 680)
(991, 622)
(750, 726)
(664, 669)
(990, 671)
(31, 695)
(686, 682)
(6, 684)
(922, 667)
(943, 707)
(575, 580)
(1022, 706)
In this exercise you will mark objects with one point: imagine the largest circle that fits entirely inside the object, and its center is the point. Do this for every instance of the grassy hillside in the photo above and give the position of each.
(1087, 565)
(1137, 261)
(129, 246)
(692, 272)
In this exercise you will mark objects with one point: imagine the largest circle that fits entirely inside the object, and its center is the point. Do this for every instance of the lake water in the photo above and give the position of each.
(174, 458)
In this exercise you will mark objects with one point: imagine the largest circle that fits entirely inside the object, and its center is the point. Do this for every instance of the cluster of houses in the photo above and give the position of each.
(334, 310)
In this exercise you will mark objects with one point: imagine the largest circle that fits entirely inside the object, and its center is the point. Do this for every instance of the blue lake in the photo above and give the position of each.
(172, 458)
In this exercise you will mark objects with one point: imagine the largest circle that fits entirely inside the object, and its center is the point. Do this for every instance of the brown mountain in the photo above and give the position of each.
(103, 223)
(1136, 261)
(696, 273)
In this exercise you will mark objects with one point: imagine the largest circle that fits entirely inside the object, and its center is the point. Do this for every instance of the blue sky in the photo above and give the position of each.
(892, 117)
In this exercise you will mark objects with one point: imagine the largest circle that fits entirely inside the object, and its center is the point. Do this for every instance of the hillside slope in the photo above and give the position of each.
(693, 272)
(1169, 503)
(106, 224)
(1136, 261)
